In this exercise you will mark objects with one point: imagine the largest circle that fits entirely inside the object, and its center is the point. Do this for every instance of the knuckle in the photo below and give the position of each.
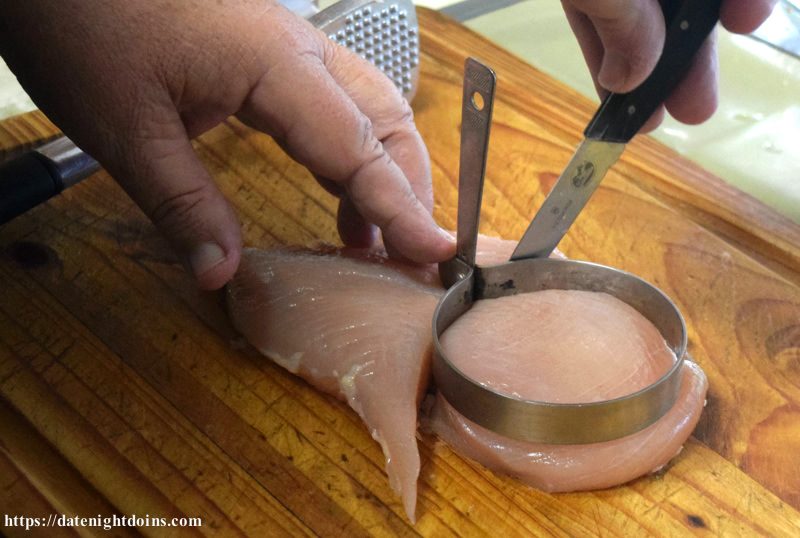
(405, 114)
(366, 149)
(294, 35)
(329, 51)
(178, 208)
(400, 117)
(368, 146)
(397, 118)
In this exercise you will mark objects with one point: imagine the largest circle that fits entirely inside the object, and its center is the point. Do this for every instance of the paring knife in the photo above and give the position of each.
(618, 119)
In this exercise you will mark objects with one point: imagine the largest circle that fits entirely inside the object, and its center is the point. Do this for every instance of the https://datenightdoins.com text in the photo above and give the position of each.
(105, 522)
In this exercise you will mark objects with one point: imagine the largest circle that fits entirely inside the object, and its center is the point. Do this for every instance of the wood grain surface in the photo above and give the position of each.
(123, 390)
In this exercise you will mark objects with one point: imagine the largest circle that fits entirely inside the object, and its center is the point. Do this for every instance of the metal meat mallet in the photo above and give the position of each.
(530, 270)
(385, 32)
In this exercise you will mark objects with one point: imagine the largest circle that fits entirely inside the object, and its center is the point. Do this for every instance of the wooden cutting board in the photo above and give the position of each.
(123, 390)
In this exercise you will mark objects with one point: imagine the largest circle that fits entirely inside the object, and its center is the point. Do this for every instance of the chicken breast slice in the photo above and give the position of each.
(357, 325)
(566, 347)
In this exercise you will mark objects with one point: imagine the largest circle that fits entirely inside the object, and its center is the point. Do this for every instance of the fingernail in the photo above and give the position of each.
(205, 257)
(614, 71)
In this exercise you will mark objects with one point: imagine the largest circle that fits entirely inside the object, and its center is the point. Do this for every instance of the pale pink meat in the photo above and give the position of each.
(562, 346)
(358, 326)
(354, 324)
(567, 347)
(559, 468)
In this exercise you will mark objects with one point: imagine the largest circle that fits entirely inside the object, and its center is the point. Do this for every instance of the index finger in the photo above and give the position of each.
(391, 116)
(300, 103)
(744, 16)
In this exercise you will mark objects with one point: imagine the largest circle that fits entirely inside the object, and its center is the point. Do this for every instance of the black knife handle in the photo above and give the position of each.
(26, 182)
(621, 115)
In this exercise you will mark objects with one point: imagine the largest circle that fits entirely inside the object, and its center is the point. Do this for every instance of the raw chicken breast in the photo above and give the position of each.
(561, 346)
(358, 326)
(537, 353)
(354, 324)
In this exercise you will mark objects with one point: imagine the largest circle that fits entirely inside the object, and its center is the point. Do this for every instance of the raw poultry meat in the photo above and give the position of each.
(537, 353)
(561, 346)
(358, 325)
(353, 324)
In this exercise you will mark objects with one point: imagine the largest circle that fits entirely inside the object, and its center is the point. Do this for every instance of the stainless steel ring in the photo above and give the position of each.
(546, 422)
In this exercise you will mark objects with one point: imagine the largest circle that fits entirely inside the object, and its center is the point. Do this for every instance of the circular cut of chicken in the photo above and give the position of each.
(566, 346)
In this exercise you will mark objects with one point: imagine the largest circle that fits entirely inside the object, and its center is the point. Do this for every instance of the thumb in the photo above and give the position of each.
(166, 179)
(630, 35)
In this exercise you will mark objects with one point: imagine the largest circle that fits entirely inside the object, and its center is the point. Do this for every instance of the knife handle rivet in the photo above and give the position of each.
(631, 110)
(684, 25)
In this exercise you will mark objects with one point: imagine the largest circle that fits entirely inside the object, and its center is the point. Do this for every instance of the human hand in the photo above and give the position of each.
(133, 82)
(622, 40)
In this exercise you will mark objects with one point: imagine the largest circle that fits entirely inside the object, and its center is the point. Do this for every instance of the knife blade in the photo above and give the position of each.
(617, 120)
